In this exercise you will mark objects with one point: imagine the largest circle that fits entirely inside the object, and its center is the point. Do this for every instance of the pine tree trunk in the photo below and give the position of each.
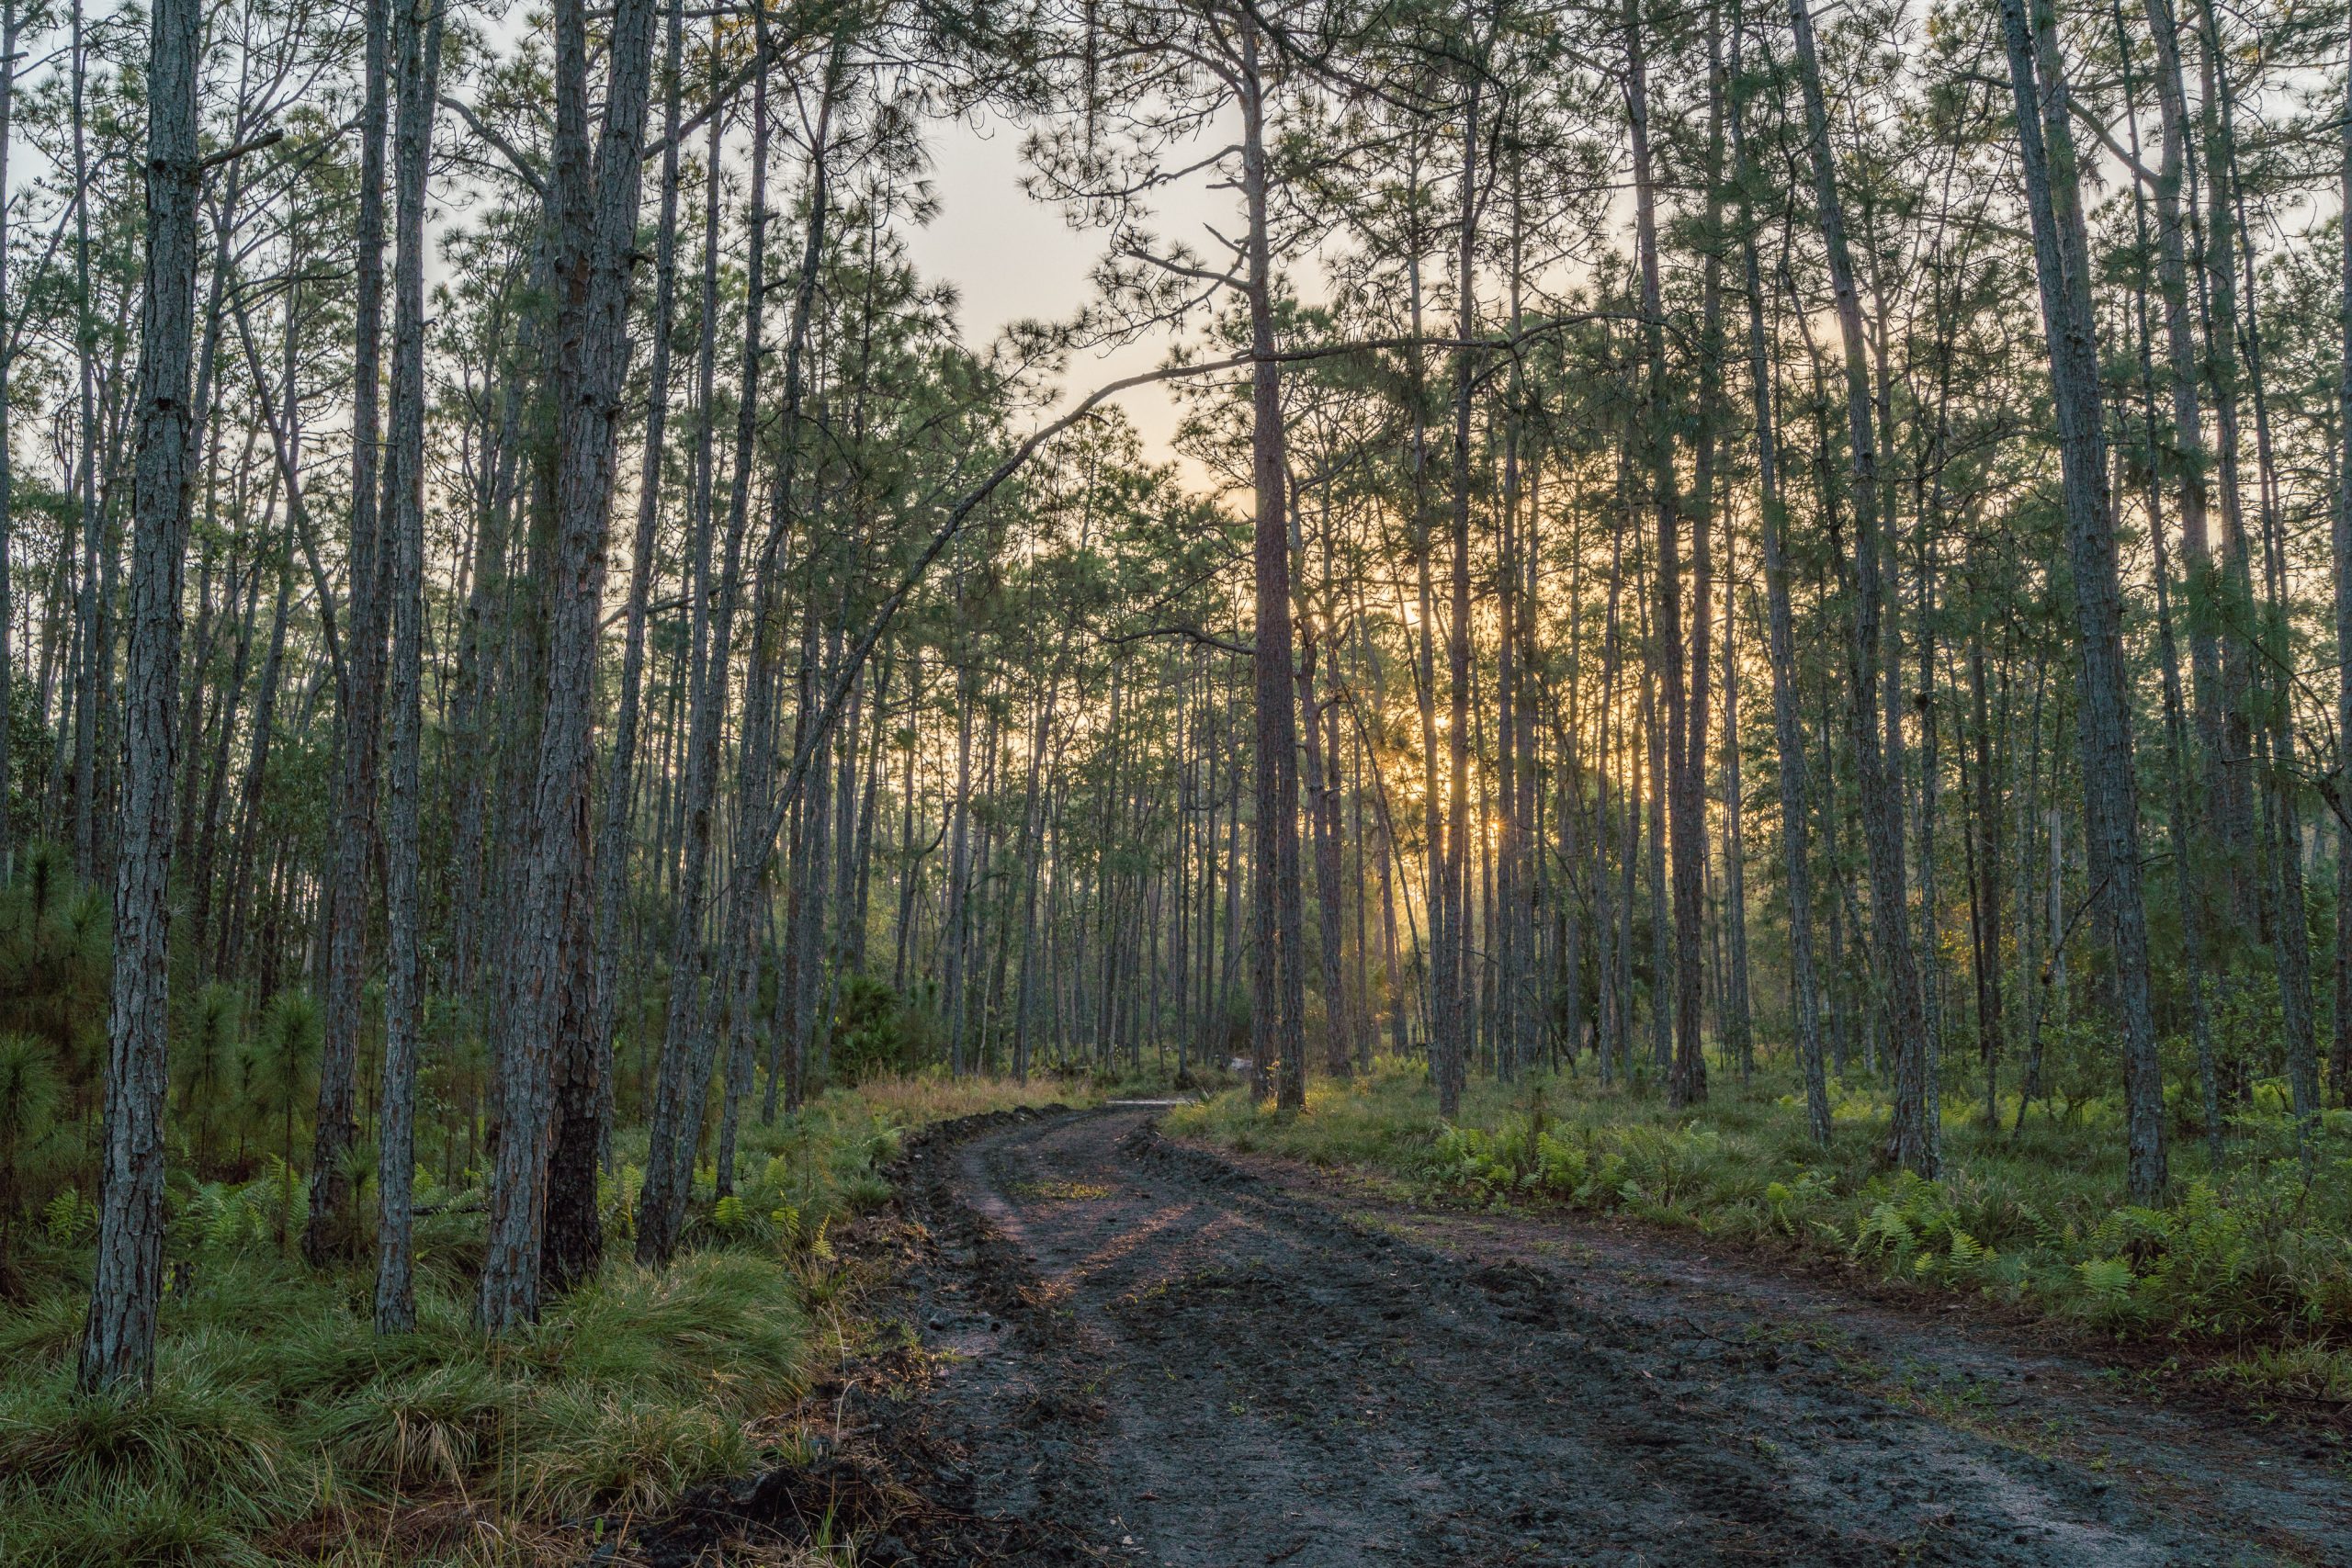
(598, 206)
(1984, 880)
(87, 686)
(2109, 793)
(118, 1337)
(1451, 959)
(11, 25)
(335, 1127)
(2231, 605)
(2185, 450)
(1739, 1031)
(417, 48)
(612, 842)
(2293, 948)
(215, 771)
(958, 874)
(1323, 807)
(683, 1083)
(755, 831)
(230, 958)
(1913, 1139)
(1278, 1004)
(2340, 1062)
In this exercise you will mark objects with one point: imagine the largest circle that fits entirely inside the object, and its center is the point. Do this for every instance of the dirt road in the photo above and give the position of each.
(1155, 1356)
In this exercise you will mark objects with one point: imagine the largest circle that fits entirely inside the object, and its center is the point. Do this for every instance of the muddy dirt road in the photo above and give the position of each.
(1159, 1358)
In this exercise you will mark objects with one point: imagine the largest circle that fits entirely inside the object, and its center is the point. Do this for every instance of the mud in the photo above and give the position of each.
(1152, 1355)
(1104, 1348)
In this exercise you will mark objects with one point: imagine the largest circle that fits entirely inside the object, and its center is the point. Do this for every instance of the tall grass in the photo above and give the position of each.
(276, 1411)
(282, 1428)
(911, 1100)
(2256, 1252)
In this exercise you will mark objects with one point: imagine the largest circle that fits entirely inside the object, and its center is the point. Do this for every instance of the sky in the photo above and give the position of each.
(1011, 258)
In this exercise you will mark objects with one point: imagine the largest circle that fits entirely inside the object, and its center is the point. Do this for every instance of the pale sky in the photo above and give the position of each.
(1011, 258)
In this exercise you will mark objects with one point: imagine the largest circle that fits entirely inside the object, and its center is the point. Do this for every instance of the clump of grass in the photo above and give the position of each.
(41, 1329)
(912, 1100)
(280, 1425)
(126, 1523)
(412, 1431)
(634, 1387)
(2256, 1252)
(192, 1434)
(715, 1327)
(2320, 1374)
(587, 1451)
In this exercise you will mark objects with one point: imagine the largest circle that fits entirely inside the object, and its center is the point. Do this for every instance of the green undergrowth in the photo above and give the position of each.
(2254, 1261)
(281, 1429)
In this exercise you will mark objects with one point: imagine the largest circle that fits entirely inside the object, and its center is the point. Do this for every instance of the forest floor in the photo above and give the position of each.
(1123, 1348)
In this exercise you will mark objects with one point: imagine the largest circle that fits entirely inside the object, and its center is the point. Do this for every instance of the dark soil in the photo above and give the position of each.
(1136, 1351)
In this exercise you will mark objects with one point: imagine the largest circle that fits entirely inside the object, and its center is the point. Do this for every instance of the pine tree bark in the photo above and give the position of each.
(1912, 1138)
(613, 841)
(682, 1084)
(598, 203)
(329, 1232)
(118, 1336)
(2110, 798)
(1278, 1009)
(418, 50)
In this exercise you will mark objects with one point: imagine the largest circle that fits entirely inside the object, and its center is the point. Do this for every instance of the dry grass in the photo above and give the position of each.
(913, 1101)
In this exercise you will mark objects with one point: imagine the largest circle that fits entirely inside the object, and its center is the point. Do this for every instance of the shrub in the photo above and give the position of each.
(879, 1034)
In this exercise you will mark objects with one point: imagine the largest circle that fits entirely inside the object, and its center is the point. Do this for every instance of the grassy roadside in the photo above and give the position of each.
(282, 1429)
(2253, 1266)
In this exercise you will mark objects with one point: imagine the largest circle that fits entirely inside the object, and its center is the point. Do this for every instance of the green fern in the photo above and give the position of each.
(1889, 1229)
(69, 1217)
(1967, 1252)
(2107, 1279)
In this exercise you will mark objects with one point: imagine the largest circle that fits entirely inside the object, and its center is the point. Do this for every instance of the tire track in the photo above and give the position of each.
(1176, 1362)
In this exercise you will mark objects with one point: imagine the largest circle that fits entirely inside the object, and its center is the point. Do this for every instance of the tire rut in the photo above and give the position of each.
(1176, 1362)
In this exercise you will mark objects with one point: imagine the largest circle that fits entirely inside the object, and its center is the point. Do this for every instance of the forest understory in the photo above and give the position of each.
(1127, 1348)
